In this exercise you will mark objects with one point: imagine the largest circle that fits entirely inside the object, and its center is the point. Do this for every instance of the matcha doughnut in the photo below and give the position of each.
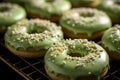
(86, 23)
(112, 8)
(32, 38)
(111, 42)
(77, 59)
(10, 14)
(47, 9)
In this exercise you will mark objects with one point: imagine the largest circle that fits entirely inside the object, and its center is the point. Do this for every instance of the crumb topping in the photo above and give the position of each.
(83, 15)
(33, 32)
(84, 46)
(115, 36)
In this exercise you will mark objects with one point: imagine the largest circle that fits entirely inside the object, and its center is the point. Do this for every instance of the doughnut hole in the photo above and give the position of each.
(86, 15)
(4, 9)
(75, 55)
(35, 29)
(50, 0)
(117, 2)
(77, 52)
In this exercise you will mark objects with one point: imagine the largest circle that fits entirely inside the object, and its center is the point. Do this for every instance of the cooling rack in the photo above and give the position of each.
(33, 69)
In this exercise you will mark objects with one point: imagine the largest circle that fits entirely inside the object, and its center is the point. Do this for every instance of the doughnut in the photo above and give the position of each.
(111, 42)
(112, 8)
(85, 3)
(10, 14)
(32, 38)
(85, 23)
(77, 59)
(47, 9)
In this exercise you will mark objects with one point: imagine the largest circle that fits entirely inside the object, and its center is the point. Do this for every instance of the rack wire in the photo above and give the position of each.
(33, 69)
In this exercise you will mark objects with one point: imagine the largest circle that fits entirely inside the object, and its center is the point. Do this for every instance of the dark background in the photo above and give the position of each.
(6, 73)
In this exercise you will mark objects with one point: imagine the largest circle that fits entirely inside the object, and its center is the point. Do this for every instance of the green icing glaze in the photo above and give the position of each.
(92, 60)
(111, 7)
(11, 13)
(46, 8)
(85, 20)
(111, 38)
(39, 34)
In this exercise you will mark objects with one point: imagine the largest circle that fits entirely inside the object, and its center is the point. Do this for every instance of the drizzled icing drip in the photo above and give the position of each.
(85, 20)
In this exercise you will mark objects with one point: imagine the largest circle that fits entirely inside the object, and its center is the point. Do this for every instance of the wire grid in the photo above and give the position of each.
(33, 69)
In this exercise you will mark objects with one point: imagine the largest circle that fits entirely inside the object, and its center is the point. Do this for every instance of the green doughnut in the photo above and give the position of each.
(111, 38)
(10, 14)
(112, 8)
(85, 20)
(91, 59)
(48, 8)
(37, 34)
(111, 41)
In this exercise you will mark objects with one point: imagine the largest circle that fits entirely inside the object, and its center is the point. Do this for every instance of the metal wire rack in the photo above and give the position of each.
(33, 69)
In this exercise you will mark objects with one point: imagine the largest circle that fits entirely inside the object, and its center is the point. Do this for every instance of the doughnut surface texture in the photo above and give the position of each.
(111, 39)
(112, 8)
(85, 20)
(38, 34)
(46, 8)
(10, 13)
(75, 58)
